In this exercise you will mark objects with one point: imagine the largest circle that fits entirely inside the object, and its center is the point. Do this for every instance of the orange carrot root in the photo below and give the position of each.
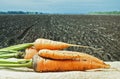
(61, 55)
(44, 65)
(54, 45)
(30, 52)
(49, 44)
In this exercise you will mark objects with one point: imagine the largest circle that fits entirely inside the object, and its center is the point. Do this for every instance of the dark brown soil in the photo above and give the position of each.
(99, 31)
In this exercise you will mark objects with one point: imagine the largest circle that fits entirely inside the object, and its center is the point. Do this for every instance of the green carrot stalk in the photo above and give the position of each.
(18, 63)
(17, 47)
(3, 61)
(7, 51)
(13, 55)
(8, 55)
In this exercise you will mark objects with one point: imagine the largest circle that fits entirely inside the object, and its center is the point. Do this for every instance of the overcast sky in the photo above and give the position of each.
(60, 6)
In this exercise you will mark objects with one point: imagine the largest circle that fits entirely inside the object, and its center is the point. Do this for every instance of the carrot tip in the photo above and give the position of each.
(108, 66)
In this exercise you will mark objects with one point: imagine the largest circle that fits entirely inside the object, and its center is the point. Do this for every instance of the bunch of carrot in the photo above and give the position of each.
(46, 55)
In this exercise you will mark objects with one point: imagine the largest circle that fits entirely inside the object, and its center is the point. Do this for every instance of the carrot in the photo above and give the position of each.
(54, 45)
(30, 52)
(44, 65)
(61, 55)
(40, 64)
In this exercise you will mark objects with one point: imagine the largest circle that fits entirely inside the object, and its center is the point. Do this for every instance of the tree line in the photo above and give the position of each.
(19, 12)
(111, 12)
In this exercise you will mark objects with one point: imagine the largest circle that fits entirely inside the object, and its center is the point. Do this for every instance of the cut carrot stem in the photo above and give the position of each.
(54, 45)
(18, 47)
